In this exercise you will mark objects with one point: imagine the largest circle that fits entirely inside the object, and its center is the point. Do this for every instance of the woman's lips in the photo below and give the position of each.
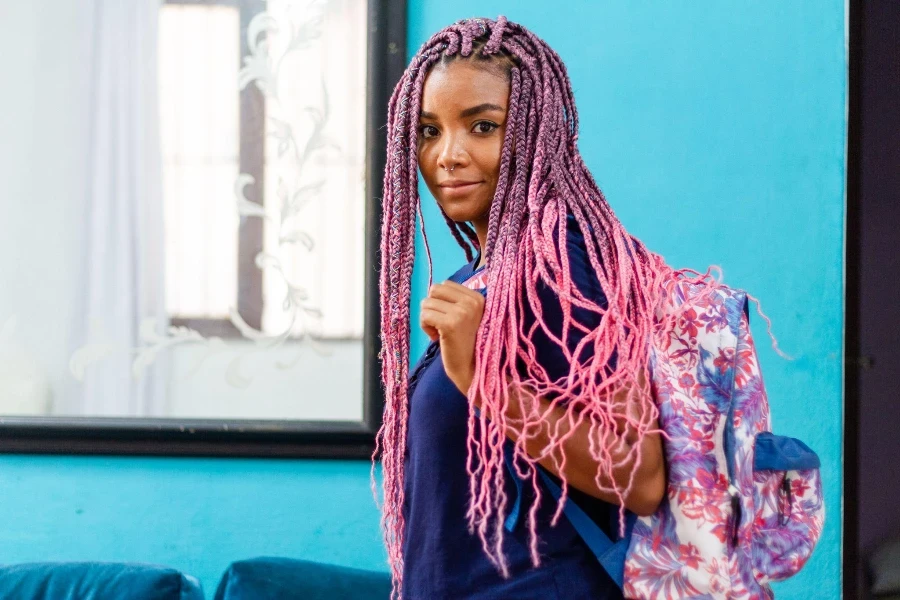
(458, 190)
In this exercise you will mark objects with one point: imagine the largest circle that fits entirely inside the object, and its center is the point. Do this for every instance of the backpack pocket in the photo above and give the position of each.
(789, 510)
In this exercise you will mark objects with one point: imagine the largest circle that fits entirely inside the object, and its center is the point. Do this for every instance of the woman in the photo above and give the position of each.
(538, 356)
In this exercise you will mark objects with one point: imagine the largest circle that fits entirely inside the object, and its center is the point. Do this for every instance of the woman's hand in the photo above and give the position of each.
(452, 313)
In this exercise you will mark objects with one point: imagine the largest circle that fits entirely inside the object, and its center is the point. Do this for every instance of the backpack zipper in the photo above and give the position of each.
(787, 500)
(730, 441)
(735, 514)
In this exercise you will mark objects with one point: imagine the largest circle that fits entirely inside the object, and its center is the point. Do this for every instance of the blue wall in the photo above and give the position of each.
(717, 134)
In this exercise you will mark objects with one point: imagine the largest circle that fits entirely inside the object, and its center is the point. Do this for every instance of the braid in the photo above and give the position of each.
(543, 180)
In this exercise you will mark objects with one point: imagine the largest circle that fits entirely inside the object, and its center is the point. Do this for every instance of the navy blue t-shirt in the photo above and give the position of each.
(441, 559)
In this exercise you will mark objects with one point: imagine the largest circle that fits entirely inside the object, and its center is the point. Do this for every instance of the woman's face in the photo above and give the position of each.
(461, 130)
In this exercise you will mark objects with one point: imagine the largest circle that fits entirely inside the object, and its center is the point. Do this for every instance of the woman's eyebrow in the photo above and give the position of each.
(487, 106)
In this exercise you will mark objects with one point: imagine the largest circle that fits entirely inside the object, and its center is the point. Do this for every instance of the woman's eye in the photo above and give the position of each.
(428, 131)
(485, 127)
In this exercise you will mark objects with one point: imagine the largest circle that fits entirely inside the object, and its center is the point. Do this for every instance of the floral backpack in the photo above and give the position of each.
(744, 507)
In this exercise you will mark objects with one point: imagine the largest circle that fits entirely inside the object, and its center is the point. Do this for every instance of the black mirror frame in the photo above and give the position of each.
(386, 48)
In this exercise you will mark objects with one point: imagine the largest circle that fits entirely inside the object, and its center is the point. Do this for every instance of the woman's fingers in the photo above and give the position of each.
(442, 306)
(427, 323)
(432, 333)
(453, 299)
(432, 321)
(444, 314)
(454, 292)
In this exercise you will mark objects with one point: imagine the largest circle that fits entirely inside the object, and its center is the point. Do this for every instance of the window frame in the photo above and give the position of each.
(250, 302)
(386, 61)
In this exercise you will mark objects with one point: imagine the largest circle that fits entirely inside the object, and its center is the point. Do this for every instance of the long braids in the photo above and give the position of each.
(542, 181)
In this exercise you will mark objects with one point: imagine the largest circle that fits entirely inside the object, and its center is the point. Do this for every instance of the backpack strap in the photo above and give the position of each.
(513, 517)
(611, 555)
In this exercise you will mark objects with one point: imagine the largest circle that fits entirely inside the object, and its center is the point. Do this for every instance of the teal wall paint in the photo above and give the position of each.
(197, 515)
(717, 134)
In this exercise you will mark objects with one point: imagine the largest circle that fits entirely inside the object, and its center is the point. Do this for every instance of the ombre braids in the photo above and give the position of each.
(543, 180)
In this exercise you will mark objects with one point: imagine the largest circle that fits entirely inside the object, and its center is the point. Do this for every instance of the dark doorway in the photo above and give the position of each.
(872, 394)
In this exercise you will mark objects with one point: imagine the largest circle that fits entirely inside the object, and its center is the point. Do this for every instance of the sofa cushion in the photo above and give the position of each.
(289, 579)
(96, 581)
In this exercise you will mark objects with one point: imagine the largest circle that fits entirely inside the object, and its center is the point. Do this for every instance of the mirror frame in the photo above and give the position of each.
(386, 48)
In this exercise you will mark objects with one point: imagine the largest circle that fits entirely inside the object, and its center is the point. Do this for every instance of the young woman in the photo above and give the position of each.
(538, 354)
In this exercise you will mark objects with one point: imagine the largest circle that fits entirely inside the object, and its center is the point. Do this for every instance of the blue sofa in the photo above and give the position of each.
(287, 579)
(96, 581)
(253, 579)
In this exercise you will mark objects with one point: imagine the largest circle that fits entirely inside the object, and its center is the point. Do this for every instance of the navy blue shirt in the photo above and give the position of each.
(441, 559)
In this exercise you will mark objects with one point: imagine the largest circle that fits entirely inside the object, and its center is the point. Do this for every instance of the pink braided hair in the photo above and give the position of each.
(543, 179)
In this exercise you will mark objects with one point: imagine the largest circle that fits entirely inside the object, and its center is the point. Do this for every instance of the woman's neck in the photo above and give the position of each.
(481, 227)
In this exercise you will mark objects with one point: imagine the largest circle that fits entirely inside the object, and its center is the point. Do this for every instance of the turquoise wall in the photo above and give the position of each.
(196, 515)
(717, 134)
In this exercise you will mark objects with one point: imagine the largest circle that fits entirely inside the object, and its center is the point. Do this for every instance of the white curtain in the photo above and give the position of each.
(124, 259)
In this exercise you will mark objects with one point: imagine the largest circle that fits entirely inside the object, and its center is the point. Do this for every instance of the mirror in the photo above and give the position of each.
(190, 245)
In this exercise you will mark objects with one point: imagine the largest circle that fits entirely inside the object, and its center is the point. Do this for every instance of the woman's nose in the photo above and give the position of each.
(452, 153)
